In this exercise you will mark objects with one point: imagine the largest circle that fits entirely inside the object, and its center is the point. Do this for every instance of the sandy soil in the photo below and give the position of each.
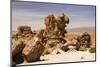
(74, 56)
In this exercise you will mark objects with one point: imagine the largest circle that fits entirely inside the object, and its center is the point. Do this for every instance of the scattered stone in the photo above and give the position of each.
(82, 57)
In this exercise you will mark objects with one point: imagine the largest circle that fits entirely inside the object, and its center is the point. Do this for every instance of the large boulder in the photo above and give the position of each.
(71, 44)
(24, 30)
(33, 49)
(17, 46)
(18, 58)
(84, 41)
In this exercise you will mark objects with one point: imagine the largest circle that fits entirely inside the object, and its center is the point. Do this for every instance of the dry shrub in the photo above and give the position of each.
(92, 50)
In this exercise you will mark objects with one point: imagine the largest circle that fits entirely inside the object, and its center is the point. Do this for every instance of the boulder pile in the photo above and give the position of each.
(27, 46)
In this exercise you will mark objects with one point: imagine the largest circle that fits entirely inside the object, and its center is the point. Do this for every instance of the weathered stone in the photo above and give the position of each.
(49, 22)
(55, 30)
(18, 58)
(56, 26)
(17, 46)
(84, 41)
(24, 30)
(33, 49)
(73, 43)
(82, 48)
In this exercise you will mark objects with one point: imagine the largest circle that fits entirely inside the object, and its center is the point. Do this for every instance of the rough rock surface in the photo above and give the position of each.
(55, 26)
(28, 46)
(55, 30)
(84, 40)
(33, 49)
(17, 46)
(24, 30)
(73, 43)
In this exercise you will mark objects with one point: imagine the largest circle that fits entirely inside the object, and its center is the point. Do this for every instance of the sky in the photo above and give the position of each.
(33, 13)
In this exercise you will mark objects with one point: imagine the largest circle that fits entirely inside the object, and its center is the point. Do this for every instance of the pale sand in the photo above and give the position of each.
(75, 56)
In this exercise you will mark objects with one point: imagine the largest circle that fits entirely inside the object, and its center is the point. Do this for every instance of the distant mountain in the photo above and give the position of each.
(82, 29)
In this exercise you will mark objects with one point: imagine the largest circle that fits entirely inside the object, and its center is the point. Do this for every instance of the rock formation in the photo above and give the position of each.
(24, 30)
(27, 46)
(73, 42)
(17, 46)
(55, 30)
(33, 49)
(55, 26)
(84, 41)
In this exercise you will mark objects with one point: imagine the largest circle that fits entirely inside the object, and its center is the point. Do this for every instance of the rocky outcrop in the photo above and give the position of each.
(80, 43)
(84, 41)
(24, 30)
(55, 26)
(74, 43)
(17, 46)
(27, 47)
(55, 30)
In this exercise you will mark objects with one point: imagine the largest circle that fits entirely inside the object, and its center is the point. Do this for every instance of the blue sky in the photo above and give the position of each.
(32, 14)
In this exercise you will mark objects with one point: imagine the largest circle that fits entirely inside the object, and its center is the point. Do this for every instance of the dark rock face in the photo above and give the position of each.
(18, 58)
(84, 40)
(17, 46)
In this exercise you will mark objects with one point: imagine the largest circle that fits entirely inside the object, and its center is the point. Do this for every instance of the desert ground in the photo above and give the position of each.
(76, 56)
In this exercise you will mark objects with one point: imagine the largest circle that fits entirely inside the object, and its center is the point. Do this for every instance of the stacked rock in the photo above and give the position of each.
(55, 30)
